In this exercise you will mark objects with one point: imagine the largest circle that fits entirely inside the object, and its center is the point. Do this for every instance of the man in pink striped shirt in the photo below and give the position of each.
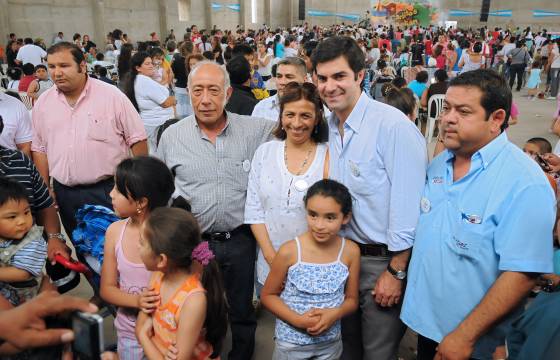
(82, 128)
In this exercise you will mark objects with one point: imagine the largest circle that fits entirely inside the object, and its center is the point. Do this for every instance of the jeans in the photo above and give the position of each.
(516, 70)
(554, 81)
(236, 257)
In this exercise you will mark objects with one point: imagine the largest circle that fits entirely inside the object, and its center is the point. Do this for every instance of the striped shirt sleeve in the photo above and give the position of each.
(40, 192)
(31, 257)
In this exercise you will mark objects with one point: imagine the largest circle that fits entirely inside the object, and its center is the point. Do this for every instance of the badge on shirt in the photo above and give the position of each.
(246, 165)
(354, 168)
(301, 185)
(425, 205)
(472, 219)
(437, 180)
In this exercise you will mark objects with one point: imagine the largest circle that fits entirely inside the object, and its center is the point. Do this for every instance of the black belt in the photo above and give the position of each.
(374, 250)
(226, 235)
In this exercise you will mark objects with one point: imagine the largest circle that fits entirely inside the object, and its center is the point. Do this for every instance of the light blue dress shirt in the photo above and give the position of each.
(499, 217)
(382, 160)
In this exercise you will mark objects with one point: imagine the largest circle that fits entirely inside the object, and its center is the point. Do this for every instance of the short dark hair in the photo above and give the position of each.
(12, 190)
(28, 41)
(102, 71)
(241, 49)
(239, 70)
(28, 69)
(307, 91)
(544, 145)
(422, 76)
(496, 93)
(399, 82)
(309, 46)
(337, 46)
(77, 54)
(441, 75)
(40, 66)
(99, 56)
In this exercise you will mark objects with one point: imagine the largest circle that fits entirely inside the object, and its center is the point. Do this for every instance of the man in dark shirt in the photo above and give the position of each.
(242, 100)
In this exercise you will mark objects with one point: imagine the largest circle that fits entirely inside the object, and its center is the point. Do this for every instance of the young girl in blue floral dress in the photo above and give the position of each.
(320, 270)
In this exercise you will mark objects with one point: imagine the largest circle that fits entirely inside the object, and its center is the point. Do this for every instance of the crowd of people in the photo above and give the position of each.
(285, 168)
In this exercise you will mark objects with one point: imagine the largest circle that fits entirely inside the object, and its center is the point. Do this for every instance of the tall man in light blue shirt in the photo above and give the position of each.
(485, 229)
(381, 157)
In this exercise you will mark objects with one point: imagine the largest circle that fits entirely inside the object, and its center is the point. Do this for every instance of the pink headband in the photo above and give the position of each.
(202, 253)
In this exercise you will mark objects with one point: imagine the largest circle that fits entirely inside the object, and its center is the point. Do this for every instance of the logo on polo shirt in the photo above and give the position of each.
(437, 180)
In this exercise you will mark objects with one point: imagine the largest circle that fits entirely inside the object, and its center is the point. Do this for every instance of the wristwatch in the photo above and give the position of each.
(398, 274)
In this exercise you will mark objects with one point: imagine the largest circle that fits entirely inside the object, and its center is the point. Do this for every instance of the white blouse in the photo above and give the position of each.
(275, 196)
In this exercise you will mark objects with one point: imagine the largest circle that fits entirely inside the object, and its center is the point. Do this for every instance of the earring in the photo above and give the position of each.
(139, 211)
(316, 130)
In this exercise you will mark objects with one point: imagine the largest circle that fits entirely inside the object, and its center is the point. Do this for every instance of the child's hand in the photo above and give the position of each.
(148, 301)
(172, 352)
(307, 320)
(327, 318)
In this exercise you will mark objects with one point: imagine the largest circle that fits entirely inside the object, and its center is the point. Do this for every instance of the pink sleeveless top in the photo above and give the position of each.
(133, 279)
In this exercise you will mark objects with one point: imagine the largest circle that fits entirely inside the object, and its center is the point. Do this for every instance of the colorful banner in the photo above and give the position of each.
(545, 13)
(233, 7)
(316, 13)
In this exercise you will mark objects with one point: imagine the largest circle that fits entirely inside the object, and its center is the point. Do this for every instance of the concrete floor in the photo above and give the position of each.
(534, 120)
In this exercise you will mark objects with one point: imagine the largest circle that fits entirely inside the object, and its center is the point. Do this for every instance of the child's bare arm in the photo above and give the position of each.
(144, 334)
(13, 274)
(328, 317)
(191, 322)
(270, 295)
(109, 289)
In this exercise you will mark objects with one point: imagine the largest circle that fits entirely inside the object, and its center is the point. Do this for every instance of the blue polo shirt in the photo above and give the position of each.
(499, 217)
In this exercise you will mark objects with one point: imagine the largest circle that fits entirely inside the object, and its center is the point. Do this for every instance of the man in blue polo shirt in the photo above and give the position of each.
(485, 229)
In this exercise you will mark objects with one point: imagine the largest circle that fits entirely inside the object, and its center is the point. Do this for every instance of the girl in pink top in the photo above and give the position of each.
(141, 184)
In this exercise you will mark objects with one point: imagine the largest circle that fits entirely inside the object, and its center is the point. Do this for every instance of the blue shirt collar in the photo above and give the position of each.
(356, 117)
(488, 152)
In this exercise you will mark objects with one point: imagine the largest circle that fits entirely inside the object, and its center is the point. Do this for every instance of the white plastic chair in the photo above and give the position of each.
(26, 99)
(438, 100)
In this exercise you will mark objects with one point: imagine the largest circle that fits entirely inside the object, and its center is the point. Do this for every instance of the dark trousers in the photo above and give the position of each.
(72, 198)
(516, 70)
(372, 332)
(427, 348)
(236, 257)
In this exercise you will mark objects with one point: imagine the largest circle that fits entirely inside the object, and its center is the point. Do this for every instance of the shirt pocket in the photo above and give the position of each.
(236, 172)
(466, 240)
(363, 178)
(99, 128)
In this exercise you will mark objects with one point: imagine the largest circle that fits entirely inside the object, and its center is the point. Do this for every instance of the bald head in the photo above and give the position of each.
(209, 89)
(212, 69)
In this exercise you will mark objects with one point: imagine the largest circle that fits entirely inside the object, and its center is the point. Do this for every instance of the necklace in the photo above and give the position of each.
(301, 185)
(302, 164)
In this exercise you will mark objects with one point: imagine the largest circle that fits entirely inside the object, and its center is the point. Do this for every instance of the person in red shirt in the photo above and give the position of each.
(383, 40)
(27, 78)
